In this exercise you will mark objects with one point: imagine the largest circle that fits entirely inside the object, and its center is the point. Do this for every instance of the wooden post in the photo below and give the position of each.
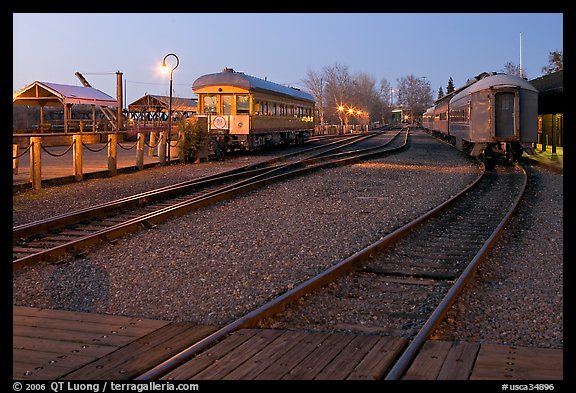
(112, 154)
(181, 152)
(15, 152)
(140, 151)
(93, 118)
(41, 118)
(119, 101)
(35, 167)
(162, 147)
(152, 143)
(554, 120)
(77, 156)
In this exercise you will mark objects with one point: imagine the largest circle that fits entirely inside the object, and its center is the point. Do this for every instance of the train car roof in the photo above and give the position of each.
(493, 81)
(232, 78)
(430, 110)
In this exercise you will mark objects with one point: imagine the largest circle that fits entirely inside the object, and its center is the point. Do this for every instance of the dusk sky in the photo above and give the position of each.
(282, 47)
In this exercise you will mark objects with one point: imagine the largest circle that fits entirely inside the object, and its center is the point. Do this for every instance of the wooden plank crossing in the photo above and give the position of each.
(448, 360)
(57, 344)
(285, 354)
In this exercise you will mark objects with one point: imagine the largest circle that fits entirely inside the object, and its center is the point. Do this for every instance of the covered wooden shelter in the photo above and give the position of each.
(550, 109)
(153, 109)
(45, 94)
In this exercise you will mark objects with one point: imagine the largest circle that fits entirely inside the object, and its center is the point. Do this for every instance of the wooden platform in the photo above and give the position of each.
(282, 354)
(55, 344)
(448, 360)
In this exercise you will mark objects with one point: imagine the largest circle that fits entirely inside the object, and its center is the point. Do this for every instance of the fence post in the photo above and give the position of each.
(162, 147)
(152, 143)
(77, 156)
(35, 167)
(140, 151)
(15, 152)
(181, 152)
(112, 154)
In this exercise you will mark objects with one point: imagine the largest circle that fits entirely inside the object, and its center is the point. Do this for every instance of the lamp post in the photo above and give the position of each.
(170, 102)
(340, 111)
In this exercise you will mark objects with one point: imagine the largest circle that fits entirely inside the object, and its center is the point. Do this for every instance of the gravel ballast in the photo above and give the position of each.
(215, 264)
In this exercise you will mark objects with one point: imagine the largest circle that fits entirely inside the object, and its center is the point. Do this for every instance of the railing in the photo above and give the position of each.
(156, 147)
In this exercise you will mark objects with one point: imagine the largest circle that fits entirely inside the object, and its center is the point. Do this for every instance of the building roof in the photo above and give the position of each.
(232, 78)
(55, 94)
(154, 103)
(549, 84)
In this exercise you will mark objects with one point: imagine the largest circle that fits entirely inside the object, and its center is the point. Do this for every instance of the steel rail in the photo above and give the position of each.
(279, 303)
(152, 218)
(62, 220)
(438, 314)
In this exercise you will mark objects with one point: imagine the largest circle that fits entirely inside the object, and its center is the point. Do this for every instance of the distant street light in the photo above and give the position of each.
(341, 110)
(170, 102)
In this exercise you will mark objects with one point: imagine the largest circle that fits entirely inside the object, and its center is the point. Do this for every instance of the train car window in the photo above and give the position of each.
(209, 104)
(243, 103)
(256, 107)
(226, 104)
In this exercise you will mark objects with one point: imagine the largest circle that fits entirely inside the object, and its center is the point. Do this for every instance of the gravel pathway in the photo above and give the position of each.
(516, 296)
(213, 265)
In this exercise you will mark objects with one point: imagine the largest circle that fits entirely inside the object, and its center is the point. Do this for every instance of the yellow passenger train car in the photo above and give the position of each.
(245, 112)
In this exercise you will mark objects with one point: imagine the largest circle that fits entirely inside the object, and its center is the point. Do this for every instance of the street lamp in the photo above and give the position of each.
(341, 110)
(170, 102)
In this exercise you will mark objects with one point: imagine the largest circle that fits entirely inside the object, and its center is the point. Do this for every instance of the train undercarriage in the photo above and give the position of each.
(225, 142)
(491, 153)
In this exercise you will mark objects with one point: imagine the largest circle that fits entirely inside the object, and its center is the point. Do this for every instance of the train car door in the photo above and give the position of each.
(504, 115)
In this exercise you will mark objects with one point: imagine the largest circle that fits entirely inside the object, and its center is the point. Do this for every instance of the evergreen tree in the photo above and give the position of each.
(450, 87)
(440, 93)
(555, 62)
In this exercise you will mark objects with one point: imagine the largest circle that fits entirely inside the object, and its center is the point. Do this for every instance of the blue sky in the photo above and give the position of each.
(51, 47)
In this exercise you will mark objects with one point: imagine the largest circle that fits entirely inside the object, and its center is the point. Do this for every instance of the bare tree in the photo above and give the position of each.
(386, 101)
(365, 95)
(338, 83)
(415, 95)
(511, 68)
(315, 84)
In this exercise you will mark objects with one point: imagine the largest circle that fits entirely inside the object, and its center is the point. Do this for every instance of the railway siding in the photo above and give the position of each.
(381, 197)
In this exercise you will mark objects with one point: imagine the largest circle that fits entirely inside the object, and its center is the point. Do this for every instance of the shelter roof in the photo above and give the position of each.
(151, 102)
(55, 94)
(550, 84)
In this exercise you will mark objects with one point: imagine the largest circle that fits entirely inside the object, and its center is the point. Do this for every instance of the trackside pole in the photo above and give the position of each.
(35, 167)
(112, 154)
(77, 156)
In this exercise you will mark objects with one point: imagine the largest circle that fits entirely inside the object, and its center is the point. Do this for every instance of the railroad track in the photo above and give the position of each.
(56, 238)
(429, 260)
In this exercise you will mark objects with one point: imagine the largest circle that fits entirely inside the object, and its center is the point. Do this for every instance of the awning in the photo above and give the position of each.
(157, 103)
(55, 94)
